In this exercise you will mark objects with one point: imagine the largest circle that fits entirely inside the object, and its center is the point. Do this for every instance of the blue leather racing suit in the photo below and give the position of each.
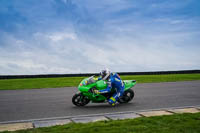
(114, 82)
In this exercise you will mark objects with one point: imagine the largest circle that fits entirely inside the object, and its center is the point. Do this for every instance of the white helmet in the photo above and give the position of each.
(105, 74)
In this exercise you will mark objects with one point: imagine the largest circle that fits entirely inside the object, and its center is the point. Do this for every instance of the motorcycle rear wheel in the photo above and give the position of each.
(80, 100)
(127, 96)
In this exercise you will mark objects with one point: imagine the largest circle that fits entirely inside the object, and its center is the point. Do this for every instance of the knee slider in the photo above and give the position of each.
(112, 100)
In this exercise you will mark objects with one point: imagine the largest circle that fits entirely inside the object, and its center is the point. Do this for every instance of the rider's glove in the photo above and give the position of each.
(96, 91)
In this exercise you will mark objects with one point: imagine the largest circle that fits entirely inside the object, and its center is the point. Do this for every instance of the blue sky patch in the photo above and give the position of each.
(65, 36)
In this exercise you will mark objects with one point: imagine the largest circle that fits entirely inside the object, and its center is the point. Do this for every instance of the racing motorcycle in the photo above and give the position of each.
(88, 85)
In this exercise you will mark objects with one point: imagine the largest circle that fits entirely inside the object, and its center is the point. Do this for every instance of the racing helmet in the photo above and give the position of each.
(105, 74)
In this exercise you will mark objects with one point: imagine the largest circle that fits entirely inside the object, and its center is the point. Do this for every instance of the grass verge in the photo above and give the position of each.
(178, 123)
(36, 83)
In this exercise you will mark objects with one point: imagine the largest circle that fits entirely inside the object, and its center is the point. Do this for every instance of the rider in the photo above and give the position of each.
(113, 80)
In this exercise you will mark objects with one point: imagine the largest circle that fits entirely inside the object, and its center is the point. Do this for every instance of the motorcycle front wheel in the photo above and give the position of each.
(80, 100)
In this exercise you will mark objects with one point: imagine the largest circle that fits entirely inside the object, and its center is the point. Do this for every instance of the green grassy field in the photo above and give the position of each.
(36, 83)
(178, 123)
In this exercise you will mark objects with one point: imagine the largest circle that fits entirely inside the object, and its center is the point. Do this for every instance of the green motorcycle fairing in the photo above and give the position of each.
(88, 83)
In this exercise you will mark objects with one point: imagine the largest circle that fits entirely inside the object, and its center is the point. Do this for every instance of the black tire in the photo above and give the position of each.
(127, 96)
(80, 100)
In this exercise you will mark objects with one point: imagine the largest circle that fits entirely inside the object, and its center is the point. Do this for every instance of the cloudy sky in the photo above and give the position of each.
(78, 36)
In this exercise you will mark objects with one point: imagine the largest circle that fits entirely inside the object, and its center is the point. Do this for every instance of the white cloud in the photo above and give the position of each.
(170, 21)
(62, 36)
(57, 36)
(119, 52)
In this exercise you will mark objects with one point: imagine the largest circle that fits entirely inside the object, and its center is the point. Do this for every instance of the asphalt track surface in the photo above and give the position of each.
(56, 102)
